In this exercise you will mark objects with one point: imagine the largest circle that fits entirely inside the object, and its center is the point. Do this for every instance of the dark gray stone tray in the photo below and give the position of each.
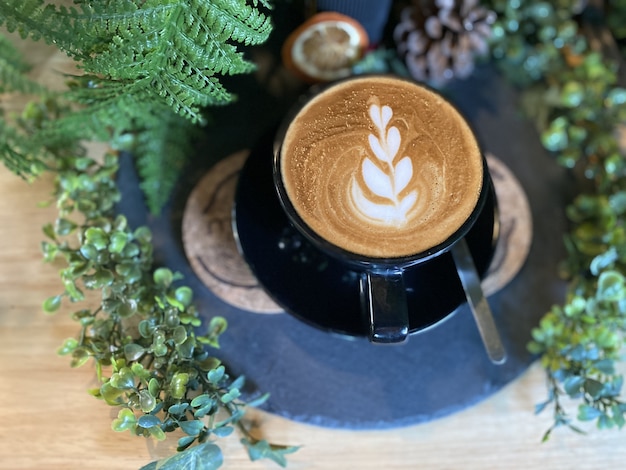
(323, 379)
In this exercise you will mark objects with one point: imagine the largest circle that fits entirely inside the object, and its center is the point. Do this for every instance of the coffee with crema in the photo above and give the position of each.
(381, 167)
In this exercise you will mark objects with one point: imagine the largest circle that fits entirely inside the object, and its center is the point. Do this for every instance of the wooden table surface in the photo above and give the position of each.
(48, 421)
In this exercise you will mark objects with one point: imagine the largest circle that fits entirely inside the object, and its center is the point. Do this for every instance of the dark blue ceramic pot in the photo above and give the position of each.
(372, 14)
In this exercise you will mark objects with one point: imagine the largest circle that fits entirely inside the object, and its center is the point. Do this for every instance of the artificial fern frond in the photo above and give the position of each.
(18, 152)
(171, 50)
(161, 151)
(266, 3)
(159, 139)
(13, 71)
(140, 57)
(175, 50)
(106, 110)
(13, 79)
(237, 21)
(10, 54)
(38, 20)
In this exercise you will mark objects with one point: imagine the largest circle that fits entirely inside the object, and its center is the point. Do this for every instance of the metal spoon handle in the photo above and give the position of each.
(477, 302)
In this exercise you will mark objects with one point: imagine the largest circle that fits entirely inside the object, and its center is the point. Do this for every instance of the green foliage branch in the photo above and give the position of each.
(151, 362)
(17, 151)
(143, 335)
(145, 64)
(571, 91)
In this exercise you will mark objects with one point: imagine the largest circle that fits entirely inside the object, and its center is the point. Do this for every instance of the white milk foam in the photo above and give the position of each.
(383, 175)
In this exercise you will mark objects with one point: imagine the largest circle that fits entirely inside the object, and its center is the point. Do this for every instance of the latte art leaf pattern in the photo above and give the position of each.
(383, 177)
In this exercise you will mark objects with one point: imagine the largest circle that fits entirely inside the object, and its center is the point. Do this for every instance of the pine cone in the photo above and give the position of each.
(440, 39)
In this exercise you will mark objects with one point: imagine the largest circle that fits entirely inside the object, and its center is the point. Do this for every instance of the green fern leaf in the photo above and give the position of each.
(37, 20)
(12, 71)
(159, 139)
(161, 153)
(237, 21)
(107, 111)
(176, 50)
(140, 57)
(18, 152)
(11, 55)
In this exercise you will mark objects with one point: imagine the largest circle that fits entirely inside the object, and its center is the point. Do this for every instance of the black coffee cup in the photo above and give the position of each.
(383, 279)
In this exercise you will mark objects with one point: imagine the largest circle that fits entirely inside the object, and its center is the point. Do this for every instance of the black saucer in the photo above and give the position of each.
(322, 291)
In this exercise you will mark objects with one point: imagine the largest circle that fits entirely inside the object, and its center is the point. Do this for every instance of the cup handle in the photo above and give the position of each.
(383, 297)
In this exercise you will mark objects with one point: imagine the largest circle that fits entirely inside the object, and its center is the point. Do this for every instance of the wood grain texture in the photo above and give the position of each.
(48, 421)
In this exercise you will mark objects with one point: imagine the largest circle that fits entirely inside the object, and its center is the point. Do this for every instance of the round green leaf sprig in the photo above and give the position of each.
(573, 96)
(529, 37)
(143, 335)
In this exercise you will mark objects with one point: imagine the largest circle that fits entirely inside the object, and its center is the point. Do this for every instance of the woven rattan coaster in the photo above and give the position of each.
(212, 251)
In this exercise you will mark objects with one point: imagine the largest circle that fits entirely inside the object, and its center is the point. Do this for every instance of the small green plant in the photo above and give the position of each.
(143, 337)
(532, 39)
(571, 92)
(151, 67)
